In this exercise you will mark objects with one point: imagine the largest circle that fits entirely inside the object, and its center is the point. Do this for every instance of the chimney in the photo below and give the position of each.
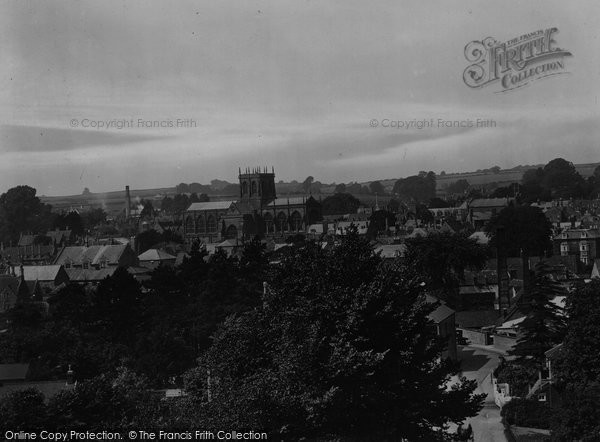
(127, 203)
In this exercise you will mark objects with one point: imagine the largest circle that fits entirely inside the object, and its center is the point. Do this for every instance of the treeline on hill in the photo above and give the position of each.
(336, 345)
(557, 179)
(21, 211)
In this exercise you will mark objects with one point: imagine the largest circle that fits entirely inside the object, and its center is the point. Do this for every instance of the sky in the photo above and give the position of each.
(289, 84)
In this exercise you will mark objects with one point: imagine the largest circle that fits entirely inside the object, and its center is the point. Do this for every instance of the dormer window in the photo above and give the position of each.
(584, 234)
(565, 235)
(86, 264)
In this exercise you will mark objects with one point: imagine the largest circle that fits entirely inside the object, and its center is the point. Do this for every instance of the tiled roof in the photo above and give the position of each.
(83, 275)
(26, 240)
(211, 205)
(93, 254)
(40, 273)
(155, 255)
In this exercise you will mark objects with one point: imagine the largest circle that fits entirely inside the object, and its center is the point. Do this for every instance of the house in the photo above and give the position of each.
(544, 390)
(59, 237)
(89, 275)
(444, 319)
(31, 255)
(86, 257)
(481, 210)
(12, 291)
(582, 243)
(153, 258)
(48, 276)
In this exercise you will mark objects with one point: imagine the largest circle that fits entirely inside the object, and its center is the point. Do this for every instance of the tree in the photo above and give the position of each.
(307, 183)
(21, 211)
(148, 210)
(442, 258)
(340, 188)
(419, 188)
(561, 179)
(340, 204)
(23, 409)
(377, 188)
(544, 325)
(459, 187)
(342, 348)
(527, 231)
(577, 368)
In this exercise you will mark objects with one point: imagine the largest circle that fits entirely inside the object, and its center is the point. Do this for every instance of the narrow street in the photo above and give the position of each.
(477, 363)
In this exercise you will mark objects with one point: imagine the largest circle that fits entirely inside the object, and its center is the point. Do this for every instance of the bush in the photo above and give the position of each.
(518, 377)
(527, 413)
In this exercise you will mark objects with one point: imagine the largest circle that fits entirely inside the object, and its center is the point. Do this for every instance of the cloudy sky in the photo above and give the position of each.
(292, 84)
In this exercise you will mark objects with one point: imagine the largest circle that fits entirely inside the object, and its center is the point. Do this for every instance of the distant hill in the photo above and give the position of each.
(114, 202)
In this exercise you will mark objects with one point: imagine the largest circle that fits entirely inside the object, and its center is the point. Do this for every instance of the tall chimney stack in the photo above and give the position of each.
(127, 203)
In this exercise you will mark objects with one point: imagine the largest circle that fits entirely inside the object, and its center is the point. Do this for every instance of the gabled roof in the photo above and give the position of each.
(156, 255)
(94, 255)
(26, 240)
(13, 372)
(39, 273)
(92, 274)
(58, 235)
(440, 313)
(210, 205)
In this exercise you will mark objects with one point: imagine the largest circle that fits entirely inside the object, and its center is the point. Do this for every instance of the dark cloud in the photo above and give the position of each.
(47, 139)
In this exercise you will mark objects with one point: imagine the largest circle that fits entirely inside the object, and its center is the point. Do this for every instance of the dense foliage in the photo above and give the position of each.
(342, 348)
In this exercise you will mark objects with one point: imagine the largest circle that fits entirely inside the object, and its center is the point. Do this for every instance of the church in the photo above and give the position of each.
(258, 211)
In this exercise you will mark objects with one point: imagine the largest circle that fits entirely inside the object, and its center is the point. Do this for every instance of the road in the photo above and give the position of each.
(477, 363)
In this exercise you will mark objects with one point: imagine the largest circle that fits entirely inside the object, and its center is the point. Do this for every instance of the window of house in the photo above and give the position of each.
(584, 234)
(86, 265)
(542, 397)
(564, 249)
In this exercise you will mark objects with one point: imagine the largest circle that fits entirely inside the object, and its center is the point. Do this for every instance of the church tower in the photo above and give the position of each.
(257, 186)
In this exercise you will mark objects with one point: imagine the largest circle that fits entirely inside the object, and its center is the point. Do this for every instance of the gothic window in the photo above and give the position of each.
(268, 222)
(211, 224)
(200, 224)
(296, 221)
(244, 188)
(281, 222)
(231, 232)
(253, 188)
(189, 225)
